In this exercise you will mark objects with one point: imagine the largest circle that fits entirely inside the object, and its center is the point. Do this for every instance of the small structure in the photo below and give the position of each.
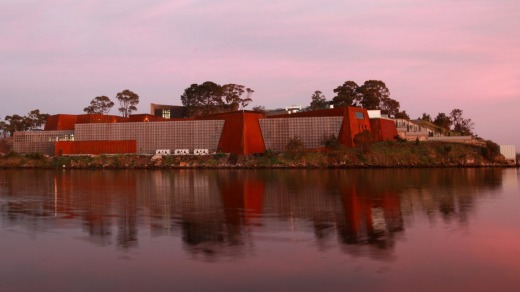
(168, 111)
(293, 109)
(162, 152)
(412, 131)
(201, 152)
(182, 152)
(509, 152)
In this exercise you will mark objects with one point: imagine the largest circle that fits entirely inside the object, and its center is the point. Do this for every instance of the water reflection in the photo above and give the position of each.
(222, 213)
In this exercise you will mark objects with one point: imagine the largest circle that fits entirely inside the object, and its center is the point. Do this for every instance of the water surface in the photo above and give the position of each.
(257, 230)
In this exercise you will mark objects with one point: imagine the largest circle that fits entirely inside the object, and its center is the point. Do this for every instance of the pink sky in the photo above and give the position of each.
(434, 56)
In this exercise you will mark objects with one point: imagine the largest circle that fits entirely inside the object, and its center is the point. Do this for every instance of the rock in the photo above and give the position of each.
(156, 157)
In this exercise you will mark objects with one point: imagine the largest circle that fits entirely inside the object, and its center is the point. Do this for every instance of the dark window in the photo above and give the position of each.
(360, 115)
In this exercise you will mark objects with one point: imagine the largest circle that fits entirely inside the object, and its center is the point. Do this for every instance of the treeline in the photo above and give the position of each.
(372, 95)
(454, 121)
(210, 97)
(128, 101)
(34, 120)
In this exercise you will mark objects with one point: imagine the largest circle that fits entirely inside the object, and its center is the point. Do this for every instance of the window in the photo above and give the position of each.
(166, 113)
(360, 116)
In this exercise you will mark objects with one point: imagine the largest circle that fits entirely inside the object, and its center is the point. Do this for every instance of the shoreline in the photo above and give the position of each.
(379, 155)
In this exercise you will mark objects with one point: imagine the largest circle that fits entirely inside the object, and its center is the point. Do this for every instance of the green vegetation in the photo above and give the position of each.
(209, 97)
(99, 105)
(372, 154)
(127, 101)
(34, 120)
(373, 94)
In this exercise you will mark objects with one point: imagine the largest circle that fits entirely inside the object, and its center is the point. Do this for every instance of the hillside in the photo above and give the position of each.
(383, 154)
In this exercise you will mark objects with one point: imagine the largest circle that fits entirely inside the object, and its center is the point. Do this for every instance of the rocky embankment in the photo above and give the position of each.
(384, 154)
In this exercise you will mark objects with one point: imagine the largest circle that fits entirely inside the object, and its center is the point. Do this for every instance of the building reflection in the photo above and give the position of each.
(226, 213)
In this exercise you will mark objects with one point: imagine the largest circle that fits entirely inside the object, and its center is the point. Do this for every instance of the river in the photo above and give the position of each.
(259, 230)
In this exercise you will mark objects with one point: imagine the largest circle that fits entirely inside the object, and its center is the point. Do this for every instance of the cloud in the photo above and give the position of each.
(433, 55)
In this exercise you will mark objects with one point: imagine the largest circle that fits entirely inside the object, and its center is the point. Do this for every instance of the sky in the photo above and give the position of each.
(433, 55)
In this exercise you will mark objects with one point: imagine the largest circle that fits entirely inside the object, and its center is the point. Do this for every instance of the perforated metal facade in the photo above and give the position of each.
(151, 136)
(311, 130)
(40, 141)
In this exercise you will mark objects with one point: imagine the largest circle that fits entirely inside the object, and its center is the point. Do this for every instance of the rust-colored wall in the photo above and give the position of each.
(333, 112)
(68, 122)
(383, 130)
(241, 133)
(352, 125)
(253, 139)
(145, 118)
(60, 122)
(95, 147)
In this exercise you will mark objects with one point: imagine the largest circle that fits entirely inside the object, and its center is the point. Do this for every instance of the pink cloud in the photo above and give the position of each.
(443, 53)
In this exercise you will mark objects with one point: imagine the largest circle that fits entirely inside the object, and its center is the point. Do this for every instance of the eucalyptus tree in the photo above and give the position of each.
(127, 101)
(99, 105)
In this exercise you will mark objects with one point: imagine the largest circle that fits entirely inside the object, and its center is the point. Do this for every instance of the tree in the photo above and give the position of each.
(209, 97)
(364, 140)
(443, 121)
(389, 106)
(346, 94)
(202, 99)
(36, 120)
(318, 101)
(232, 94)
(99, 105)
(402, 115)
(460, 124)
(15, 123)
(128, 101)
(3, 128)
(426, 117)
(373, 93)
(259, 109)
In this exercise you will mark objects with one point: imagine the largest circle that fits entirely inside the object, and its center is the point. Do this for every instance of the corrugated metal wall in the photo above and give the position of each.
(151, 136)
(383, 129)
(95, 147)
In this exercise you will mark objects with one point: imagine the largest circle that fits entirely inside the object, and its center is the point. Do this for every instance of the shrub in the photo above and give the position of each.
(35, 155)
(331, 142)
(12, 154)
(491, 150)
(219, 155)
(364, 141)
(399, 139)
(295, 148)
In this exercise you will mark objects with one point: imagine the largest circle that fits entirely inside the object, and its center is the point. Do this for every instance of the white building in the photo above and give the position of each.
(509, 152)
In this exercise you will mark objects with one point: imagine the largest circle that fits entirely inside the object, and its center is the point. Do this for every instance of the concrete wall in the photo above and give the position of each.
(151, 136)
(311, 130)
(39, 141)
(454, 139)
